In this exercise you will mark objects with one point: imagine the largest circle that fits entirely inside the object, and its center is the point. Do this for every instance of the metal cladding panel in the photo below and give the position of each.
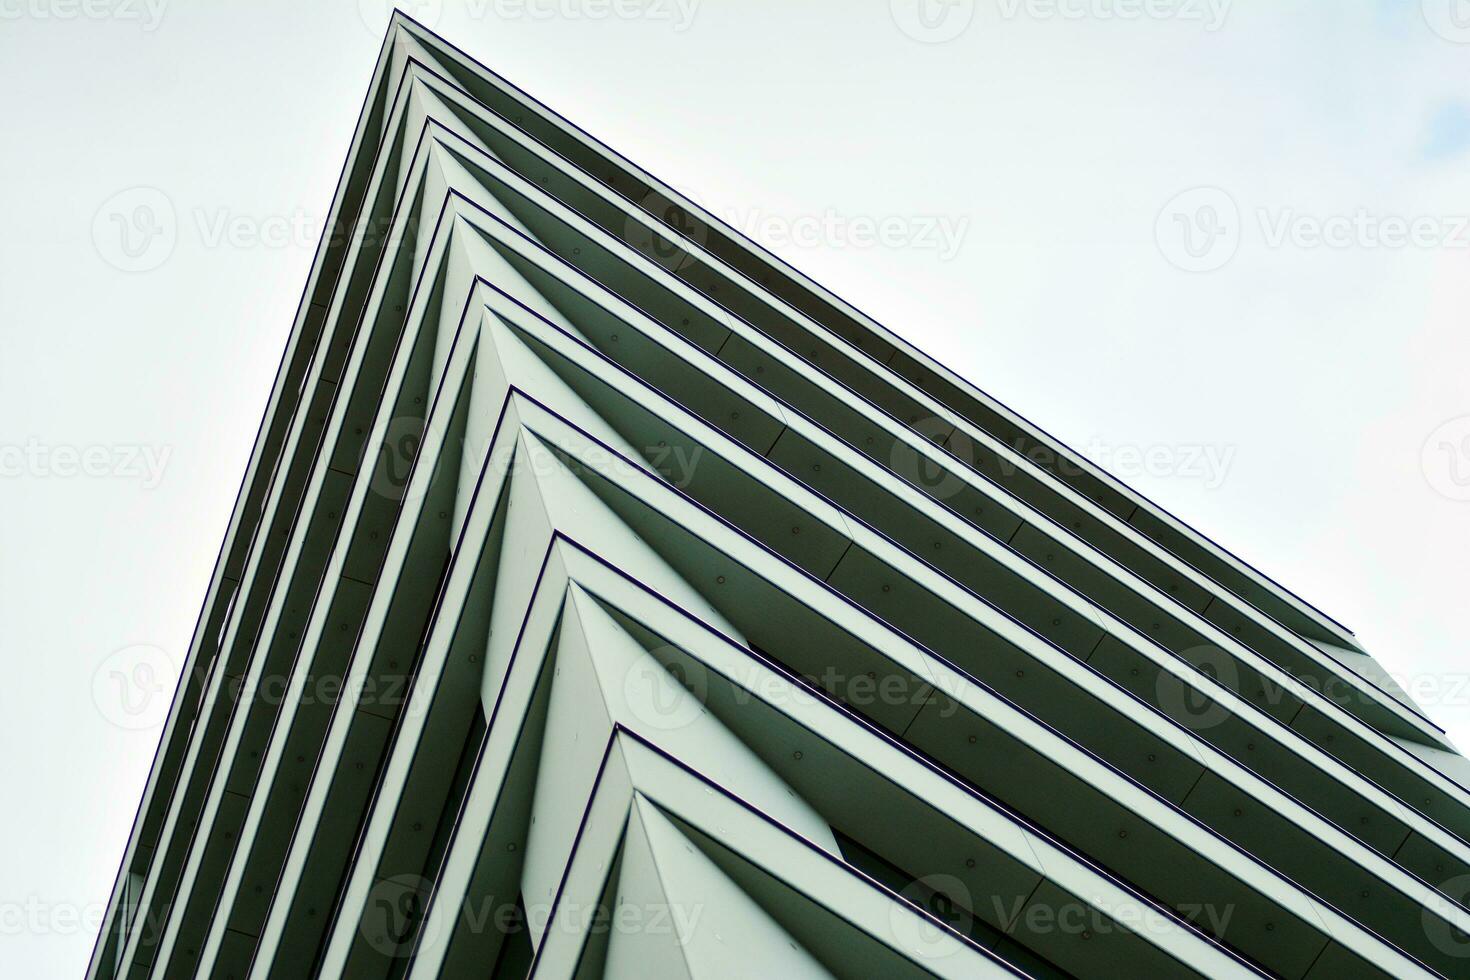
(614, 601)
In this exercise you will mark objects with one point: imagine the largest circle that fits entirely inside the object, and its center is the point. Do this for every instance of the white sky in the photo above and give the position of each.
(1305, 403)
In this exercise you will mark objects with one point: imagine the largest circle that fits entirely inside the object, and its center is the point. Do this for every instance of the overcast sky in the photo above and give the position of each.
(1222, 248)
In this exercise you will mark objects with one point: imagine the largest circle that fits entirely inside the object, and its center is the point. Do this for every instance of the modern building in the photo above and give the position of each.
(605, 597)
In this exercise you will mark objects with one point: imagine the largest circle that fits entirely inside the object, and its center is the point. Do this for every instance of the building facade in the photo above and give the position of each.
(604, 597)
